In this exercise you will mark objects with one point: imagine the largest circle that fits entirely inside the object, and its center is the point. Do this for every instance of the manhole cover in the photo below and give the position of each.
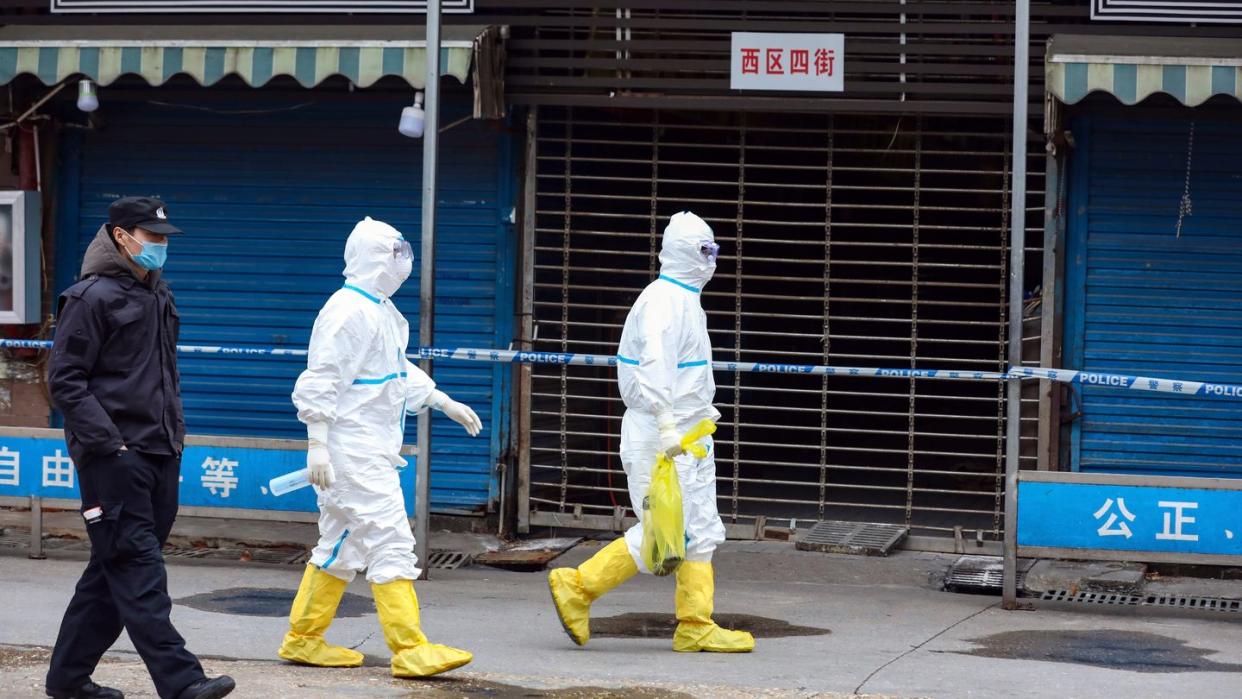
(982, 574)
(262, 601)
(866, 538)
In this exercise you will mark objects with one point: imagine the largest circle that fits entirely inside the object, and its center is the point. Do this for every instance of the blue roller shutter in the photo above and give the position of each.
(1143, 301)
(267, 187)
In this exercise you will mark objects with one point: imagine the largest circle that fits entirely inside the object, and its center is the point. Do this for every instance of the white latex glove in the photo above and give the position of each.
(670, 440)
(318, 462)
(460, 413)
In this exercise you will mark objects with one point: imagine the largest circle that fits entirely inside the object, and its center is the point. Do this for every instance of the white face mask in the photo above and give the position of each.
(394, 275)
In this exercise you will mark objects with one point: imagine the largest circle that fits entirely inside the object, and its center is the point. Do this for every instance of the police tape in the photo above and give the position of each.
(498, 356)
(1132, 383)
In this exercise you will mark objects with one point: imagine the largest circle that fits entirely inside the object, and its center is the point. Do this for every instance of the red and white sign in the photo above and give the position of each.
(801, 62)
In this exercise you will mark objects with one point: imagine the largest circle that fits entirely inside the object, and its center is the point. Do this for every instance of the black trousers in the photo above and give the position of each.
(125, 584)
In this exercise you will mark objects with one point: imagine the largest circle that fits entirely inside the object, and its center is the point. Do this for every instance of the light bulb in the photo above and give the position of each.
(88, 100)
(413, 119)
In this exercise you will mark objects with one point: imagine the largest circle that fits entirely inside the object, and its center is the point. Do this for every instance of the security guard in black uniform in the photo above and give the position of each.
(113, 375)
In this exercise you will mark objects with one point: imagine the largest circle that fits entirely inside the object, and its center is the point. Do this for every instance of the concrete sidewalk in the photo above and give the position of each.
(826, 626)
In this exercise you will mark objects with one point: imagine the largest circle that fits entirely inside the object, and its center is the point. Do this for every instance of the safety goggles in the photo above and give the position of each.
(402, 250)
(709, 250)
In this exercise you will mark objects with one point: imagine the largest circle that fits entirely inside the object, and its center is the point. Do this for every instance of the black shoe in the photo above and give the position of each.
(90, 690)
(209, 688)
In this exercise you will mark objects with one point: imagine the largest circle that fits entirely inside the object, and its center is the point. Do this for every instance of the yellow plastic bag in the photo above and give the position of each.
(664, 524)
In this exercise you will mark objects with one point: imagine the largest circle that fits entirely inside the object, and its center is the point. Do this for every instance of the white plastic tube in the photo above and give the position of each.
(289, 482)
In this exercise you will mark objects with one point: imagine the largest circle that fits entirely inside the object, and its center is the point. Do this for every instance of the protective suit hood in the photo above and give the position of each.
(369, 260)
(680, 258)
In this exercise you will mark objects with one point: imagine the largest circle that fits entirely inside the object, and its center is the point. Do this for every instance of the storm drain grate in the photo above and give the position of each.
(866, 538)
(1115, 599)
(278, 556)
(1207, 604)
(177, 552)
(14, 541)
(21, 540)
(447, 560)
(982, 574)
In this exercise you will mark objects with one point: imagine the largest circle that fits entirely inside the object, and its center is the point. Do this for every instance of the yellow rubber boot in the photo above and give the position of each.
(412, 654)
(312, 612)
(696, 631)
(574, 589)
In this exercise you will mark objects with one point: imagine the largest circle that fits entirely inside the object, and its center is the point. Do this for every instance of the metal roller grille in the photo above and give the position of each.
(852, 240)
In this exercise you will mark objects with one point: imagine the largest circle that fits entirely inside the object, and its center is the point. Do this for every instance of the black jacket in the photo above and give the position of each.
(113, 372)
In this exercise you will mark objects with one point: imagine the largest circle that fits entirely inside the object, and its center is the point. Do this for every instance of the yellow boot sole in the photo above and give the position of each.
(428, 660)
(318, 653)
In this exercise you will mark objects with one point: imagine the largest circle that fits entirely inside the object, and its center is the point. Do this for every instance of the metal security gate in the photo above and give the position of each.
(1146, 298)
(267, 195)
(846, 240)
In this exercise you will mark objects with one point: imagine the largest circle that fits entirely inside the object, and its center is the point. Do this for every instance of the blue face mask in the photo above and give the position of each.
(153, 255)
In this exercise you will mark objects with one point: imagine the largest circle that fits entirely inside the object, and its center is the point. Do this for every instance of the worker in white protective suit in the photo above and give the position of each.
(353, 397)
(664, 367)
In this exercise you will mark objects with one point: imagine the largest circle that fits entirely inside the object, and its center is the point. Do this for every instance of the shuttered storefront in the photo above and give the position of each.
(846, 240)
(268, 185)
(1142, 300)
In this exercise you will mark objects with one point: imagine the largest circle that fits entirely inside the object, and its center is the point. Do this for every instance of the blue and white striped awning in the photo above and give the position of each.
(310, 55)
(1133, 68)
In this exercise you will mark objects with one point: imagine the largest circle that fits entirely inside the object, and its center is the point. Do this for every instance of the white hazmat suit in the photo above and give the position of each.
(664, 369)
(353, 397)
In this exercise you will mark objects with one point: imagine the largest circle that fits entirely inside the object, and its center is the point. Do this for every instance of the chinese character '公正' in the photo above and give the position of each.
(1107, 529)
(1173, 521)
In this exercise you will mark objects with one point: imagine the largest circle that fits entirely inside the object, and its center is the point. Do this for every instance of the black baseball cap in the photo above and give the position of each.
(146, 213)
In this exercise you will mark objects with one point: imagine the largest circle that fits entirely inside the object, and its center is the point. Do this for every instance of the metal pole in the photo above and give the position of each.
(1017, 259)
(427, 279)
(522, 419)
(36, 528)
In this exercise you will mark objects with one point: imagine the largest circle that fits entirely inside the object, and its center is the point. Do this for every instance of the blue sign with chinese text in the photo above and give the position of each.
(211, 476)
(1153, 518)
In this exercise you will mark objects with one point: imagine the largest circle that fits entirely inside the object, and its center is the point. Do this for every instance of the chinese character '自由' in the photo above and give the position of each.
(10, 467)
(57, 471)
